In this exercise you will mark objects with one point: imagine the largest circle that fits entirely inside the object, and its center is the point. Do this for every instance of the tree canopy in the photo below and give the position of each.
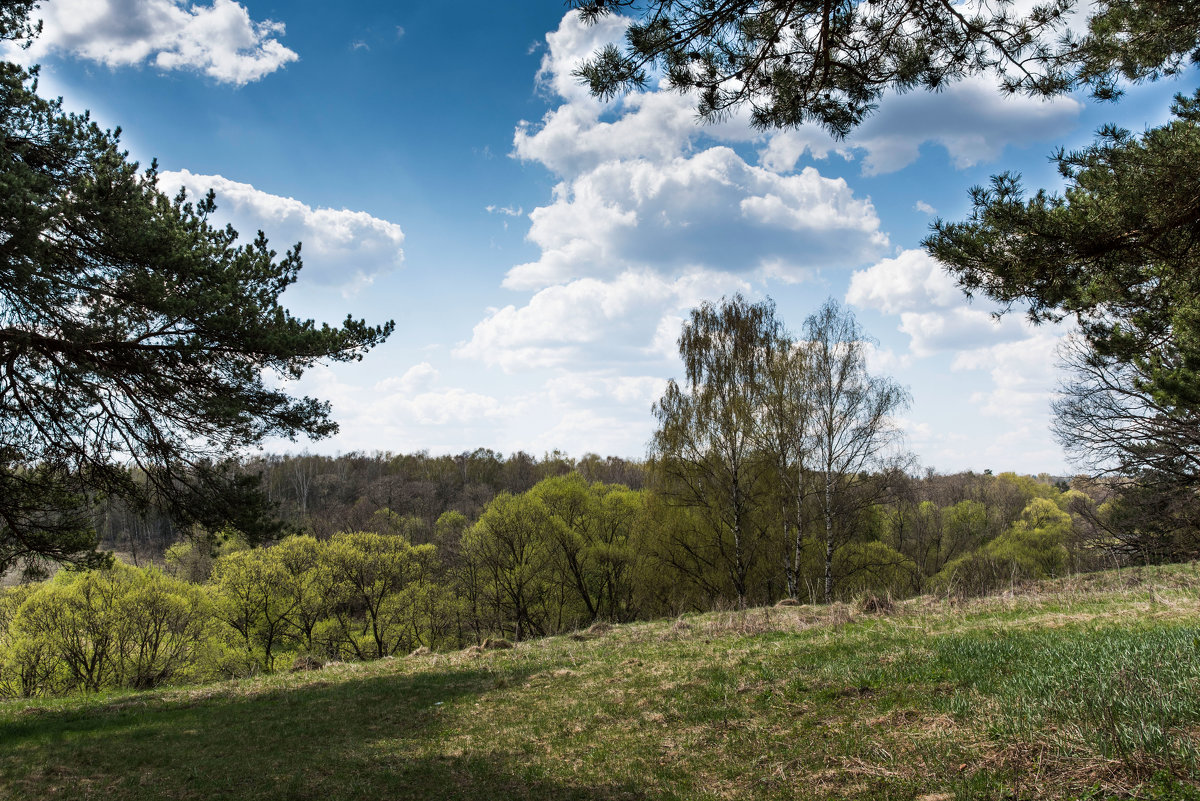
(830, 62)
(136, 335)
(1117, 250)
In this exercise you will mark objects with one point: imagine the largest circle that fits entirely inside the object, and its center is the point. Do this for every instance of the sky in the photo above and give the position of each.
(539, 249)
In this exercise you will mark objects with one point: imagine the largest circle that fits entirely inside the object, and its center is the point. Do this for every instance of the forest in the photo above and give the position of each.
(570, 551)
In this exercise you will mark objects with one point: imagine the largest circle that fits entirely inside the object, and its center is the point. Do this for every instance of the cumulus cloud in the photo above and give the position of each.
(1016, 359)
(653, 212)
(590, 321)
(644, 187)
(710, 211)
(219, 40)
(912, 281)
(406, 412)
(341, 248)
(972, 120)
(955, 329)
(1024, 373)
(933, 311)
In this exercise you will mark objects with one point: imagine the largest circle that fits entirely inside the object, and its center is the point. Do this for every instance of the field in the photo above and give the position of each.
(1087, 687)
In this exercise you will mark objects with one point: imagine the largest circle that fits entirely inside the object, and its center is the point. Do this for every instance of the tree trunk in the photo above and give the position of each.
(797, 543)
(828, 537)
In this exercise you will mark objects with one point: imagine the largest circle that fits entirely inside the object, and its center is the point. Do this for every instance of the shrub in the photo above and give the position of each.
(119, 627)
(1033, 547)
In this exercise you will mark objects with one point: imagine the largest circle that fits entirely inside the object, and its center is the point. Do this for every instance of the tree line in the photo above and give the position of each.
(561, 556)
(321, 494)
(775, 473)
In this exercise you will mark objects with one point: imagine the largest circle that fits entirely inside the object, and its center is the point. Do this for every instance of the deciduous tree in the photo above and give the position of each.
(706, 446)
(853, 426)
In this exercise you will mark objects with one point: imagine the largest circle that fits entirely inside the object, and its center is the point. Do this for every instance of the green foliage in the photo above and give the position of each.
(563, 555)
(1138, 40)
(1072, 691)
(253, 599)
(827, 63)
(853, 430)
(378, 583)
(514, 557)
(872, 568)
(1115, 250)
(192, 559)
(706, 454)
(831, 63)
(589, 526)
(1033, 547)
(120, 627)
(308, 583)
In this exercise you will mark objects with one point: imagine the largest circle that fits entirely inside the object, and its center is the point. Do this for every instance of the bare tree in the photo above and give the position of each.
(1109, 420)
(852, 426)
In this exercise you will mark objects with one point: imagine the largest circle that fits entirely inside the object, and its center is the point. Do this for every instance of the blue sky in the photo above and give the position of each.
(538, 249)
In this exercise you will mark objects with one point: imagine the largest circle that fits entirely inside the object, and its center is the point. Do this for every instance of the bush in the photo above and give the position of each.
(120, 627)
(1033, 547)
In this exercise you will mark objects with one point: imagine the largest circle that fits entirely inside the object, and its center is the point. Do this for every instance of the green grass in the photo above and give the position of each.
(1082, 688)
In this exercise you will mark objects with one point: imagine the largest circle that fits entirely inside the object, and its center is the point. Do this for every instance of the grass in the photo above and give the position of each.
(1080, 688)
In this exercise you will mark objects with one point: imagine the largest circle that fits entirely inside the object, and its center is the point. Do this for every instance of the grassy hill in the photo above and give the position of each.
(1086, 687)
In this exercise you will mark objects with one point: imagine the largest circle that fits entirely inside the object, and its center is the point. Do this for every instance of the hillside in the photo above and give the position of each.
(1084, 687)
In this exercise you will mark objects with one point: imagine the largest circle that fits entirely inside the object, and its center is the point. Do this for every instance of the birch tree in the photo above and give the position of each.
(853, 430)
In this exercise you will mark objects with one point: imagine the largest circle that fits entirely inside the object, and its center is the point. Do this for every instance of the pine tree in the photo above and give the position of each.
(135, 335)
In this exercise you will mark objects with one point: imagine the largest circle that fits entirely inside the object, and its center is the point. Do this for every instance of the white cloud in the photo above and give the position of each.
(583, 431)
(341, 248)
(956, 329)
(398, 413)
(570, 44)
(972, 119)
(784, 148)
(219, 40)
(924, 207)
(1024, 373)
(592, 322)
(593, 410)
(594, 386)
(645, 187)
(417, 378)
(912, 281)
(576, 136)
(932, 310)
(1009, 402)
(710, 211)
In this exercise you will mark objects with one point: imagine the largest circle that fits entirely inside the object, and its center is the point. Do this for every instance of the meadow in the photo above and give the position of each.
(1081, 687)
